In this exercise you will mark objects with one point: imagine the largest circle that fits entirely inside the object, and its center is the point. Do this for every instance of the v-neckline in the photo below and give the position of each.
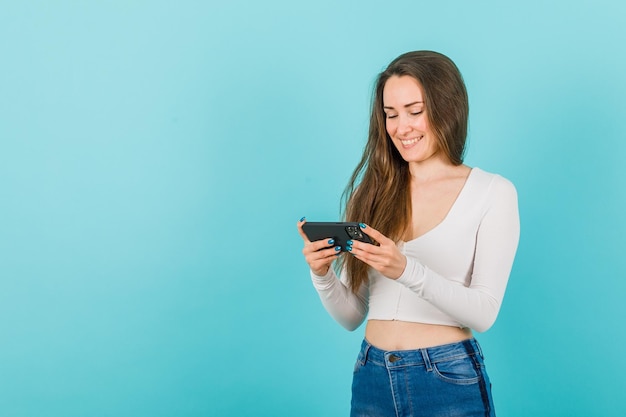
(450, 210)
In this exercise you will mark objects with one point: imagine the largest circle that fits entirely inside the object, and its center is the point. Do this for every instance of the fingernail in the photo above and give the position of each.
(349, 248)
(302, 219)
(363, 226)
(331, 241)
(337, 248)
(349, 243)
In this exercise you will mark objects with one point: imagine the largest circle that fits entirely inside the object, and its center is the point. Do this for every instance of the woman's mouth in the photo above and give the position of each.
(409, 142)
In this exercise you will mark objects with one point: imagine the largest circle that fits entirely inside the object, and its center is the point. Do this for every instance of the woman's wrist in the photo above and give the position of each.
(399, 270)
(320, 272)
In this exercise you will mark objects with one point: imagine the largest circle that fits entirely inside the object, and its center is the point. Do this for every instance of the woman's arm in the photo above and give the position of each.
(347, 308)
(477, 305)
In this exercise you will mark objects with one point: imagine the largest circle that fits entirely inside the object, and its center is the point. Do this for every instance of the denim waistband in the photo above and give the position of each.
(425, 356)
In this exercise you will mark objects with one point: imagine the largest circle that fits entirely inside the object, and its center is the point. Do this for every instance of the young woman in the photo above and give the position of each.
(446, 238)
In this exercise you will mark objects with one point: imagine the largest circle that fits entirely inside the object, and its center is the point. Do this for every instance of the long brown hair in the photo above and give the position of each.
(378, 191)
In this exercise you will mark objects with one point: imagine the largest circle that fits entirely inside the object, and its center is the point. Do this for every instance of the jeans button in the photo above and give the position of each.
(393, 358)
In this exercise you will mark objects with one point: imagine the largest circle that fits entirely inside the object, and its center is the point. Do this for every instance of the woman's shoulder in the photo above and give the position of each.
(490, 178)
(491, 183)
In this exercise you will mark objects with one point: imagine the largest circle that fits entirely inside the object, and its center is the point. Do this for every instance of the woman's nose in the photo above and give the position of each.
(403, 124)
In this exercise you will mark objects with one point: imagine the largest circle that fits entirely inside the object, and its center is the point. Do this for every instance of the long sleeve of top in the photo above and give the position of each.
(456, 274)
(347, 308)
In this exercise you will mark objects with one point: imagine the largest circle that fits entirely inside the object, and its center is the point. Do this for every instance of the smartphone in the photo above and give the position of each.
(340, 232)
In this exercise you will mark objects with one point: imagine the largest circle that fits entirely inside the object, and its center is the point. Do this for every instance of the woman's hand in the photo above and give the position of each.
(385, 258)
(319, 254)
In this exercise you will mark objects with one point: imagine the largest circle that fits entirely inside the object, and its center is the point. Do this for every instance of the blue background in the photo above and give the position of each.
(155, 157)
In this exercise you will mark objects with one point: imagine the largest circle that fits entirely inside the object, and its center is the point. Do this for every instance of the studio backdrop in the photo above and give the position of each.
(155, 157)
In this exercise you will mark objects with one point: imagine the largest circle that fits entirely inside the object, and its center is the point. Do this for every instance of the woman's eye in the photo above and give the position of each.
(391, 116)
(416, 113)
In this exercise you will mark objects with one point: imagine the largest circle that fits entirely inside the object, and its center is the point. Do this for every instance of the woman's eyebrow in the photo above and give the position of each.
(406, 105)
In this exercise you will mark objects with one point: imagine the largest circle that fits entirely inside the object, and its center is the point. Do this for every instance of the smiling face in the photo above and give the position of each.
(406, 120)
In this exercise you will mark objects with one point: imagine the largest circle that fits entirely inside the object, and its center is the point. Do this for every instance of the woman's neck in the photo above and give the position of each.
(433, 168)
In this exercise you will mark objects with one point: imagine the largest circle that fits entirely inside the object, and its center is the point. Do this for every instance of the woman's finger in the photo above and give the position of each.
(318, 245)
(301, 232)
(365, 252)
(374, 234)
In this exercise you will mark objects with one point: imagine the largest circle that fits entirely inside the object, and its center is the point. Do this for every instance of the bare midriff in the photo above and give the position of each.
(403, 335)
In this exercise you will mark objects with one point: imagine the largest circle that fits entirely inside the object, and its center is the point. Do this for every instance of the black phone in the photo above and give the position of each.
(340, 232)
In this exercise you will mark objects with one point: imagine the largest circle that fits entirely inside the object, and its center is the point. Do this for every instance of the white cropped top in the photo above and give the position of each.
(456, 273)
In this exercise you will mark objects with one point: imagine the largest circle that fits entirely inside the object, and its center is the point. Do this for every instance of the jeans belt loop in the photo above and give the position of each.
(480, 350)
(366, 351)
(429, 366)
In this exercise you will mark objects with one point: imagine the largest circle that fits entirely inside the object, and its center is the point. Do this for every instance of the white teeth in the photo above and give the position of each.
(408, 142)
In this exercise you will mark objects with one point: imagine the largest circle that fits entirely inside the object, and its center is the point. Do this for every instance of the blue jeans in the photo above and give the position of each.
(447, 380)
